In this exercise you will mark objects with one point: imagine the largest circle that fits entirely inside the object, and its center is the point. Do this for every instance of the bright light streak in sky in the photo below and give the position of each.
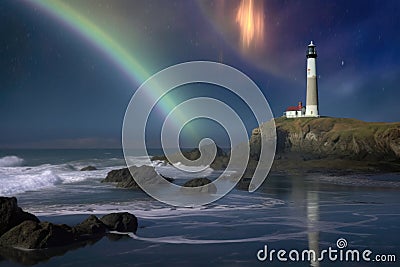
(250, 18)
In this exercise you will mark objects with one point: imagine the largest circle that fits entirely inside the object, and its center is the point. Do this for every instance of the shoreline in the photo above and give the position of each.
(174, 224)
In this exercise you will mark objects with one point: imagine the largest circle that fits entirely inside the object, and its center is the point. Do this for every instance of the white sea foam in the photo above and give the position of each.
(11, 161)
(148, 209)
(170, 171)
(15, 180)
(13, 184)
(183, 240)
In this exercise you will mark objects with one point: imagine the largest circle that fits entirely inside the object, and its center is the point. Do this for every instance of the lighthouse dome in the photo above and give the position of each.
(311, 51)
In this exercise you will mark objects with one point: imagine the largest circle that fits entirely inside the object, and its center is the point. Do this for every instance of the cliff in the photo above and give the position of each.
(328, 145)
(333, 143)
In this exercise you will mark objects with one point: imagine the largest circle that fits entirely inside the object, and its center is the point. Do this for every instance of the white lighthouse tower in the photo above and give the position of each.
(311, 108)
(312, 86)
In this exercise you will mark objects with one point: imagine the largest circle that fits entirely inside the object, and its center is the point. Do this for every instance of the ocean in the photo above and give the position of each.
(303, 212)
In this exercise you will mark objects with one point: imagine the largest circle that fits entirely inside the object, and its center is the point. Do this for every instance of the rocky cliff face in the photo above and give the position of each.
(319, 138)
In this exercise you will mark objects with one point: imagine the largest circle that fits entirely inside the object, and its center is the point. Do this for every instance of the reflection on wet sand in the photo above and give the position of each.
(312, 223)
(32, 257)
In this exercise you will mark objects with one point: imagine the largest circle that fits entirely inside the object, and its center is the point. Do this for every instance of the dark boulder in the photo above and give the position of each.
(123, 177)
(117, 176)
(11, 215)
(34, 235)
(220, 161)
(121, 222)
(195, 153)
(91, 227)
(89, 168)
(24, 231)
(199, 182)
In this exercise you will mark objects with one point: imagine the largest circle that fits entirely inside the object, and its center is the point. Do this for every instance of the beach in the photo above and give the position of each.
(291, 212)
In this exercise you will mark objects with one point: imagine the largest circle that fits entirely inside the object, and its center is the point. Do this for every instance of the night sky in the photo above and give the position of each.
(59, 89)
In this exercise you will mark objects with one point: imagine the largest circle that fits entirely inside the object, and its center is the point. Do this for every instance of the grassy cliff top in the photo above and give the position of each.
(335, 125)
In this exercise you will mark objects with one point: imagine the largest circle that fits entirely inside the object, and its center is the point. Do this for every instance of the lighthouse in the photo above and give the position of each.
(311, 108)
(312, 86)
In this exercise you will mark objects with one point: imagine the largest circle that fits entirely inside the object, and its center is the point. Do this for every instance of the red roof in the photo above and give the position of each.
(294, 108)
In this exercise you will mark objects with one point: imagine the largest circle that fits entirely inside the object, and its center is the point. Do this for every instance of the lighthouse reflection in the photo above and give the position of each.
(312, 224)
(305, 196)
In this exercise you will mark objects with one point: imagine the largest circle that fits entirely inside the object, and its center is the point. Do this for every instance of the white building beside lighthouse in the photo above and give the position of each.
(311, 108)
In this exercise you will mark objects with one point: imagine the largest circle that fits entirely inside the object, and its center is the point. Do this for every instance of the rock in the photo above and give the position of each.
(89, 168)
(35, 235)
(124, 179)
(91, 227)
(121, 222)
(197, 182)
(117, 176)
(23, 230)
(195, 153)
(40, 235)
(219, 163)
(11, 215)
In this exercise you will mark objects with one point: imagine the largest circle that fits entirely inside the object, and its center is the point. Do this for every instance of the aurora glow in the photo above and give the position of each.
(109, 47)
(90, 32)
(250, 17)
